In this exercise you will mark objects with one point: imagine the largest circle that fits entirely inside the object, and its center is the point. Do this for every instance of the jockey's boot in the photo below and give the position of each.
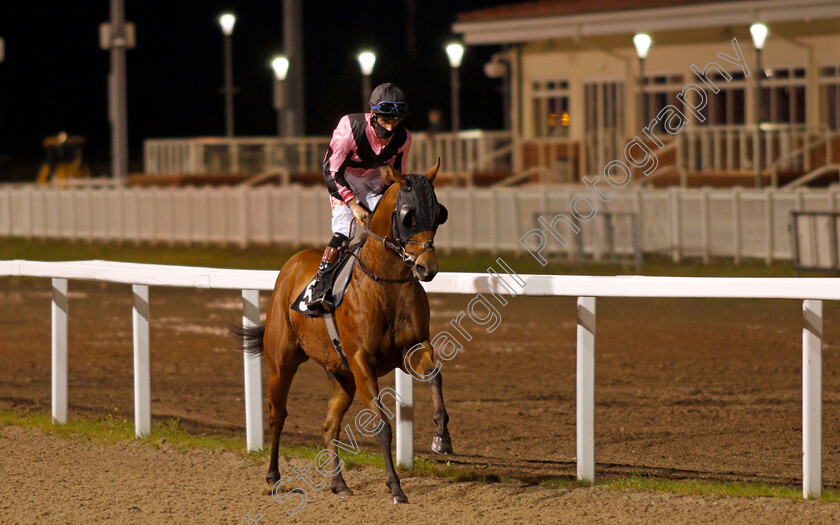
(322, 300)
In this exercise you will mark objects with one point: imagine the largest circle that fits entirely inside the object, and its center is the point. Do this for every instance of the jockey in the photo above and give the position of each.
(360, 144)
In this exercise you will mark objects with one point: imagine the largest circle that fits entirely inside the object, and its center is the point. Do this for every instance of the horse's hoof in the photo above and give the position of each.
(343, 493)
(399, 499)
(272, 477)
(442, 445)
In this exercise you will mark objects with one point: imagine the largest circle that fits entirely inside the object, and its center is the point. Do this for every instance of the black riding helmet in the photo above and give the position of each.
(387, 101)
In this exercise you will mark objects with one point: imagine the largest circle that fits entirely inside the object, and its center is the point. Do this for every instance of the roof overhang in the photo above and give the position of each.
(520, 30)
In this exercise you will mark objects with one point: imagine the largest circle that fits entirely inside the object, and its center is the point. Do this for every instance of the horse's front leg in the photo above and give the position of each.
(343, 389)
(422, 365)
(375, 423)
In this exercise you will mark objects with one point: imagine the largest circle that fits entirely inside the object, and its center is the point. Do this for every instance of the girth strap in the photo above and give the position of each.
(332, 332)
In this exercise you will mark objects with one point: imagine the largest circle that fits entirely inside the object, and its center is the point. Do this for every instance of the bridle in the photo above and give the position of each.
(409, 259)
(401, 240)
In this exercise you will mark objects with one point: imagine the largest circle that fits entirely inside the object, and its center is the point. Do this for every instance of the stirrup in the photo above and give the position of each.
(321, 304)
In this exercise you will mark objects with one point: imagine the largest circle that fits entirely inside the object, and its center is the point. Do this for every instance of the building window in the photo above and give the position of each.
(783, 96)
(551, 108)
(604, 101)
(604, 127)
(661, 91)
(727, 107)
(830, 96)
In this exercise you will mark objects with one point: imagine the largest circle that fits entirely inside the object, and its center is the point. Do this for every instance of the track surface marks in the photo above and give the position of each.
(684, 388)
(76, 481)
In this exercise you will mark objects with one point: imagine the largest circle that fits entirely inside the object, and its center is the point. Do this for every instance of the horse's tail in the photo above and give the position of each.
(251, 337)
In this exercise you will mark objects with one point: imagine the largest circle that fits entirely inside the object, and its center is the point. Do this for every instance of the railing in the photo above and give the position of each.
(732, 148)
(557, 160)
(196, 156)
(733, 223)
(813, 175)
(524, 176)
(585, 288)
(670, 147)
(463, 151)
(698, 149)
(803, 156)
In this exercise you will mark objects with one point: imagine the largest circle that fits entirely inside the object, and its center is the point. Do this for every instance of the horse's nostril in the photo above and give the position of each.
(421, 269)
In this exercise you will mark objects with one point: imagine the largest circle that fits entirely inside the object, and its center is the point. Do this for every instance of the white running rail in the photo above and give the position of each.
(812, 291)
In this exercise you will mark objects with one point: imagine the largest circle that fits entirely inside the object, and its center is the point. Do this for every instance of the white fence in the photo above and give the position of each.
(699, 149)
(194, 156)
(702, 223)
(586, 289)
(462, 151)
(733, 148)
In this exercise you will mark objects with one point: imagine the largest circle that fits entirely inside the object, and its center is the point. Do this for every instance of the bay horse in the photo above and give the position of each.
(384, 313)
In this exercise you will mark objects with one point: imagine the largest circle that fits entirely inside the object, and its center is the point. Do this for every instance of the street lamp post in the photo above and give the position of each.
(455, 52)
(280, 65)
(366, 61)
(227, 20)
(759, 36)
(642, 41)
(2, 56)
(117, 36)
(499, 67)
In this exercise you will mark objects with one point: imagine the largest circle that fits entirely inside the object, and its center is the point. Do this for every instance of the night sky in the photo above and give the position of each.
(54, 75)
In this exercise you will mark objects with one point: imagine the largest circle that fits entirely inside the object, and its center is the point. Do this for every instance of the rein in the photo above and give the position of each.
(399, 249)
(378, 279)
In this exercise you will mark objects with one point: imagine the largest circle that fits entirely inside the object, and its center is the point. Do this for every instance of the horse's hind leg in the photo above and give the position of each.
(421, 362)
(341, 396)
(279, 381)
(369, 392)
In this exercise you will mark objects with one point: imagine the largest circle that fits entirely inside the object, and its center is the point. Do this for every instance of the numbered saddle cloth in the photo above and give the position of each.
(340, 279)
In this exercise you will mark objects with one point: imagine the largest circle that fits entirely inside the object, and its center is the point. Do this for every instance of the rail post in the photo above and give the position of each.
(812, 399)
(674, 203)
(586, 389)
(142, 381)
(405, 419)
(59, 350)
(253, 375)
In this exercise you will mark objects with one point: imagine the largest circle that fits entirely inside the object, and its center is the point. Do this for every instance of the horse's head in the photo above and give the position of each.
(415, 220)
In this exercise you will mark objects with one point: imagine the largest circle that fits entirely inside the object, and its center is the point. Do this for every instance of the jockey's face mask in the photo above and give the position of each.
(381, 131)
(389, 112)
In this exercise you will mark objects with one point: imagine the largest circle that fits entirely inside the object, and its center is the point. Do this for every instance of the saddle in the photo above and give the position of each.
(339, 276)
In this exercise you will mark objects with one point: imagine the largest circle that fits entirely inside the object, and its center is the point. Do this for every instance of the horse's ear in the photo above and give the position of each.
(394, 174)
(432, 173)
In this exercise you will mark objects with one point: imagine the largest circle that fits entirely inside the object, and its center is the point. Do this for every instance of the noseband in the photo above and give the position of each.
(409, 259)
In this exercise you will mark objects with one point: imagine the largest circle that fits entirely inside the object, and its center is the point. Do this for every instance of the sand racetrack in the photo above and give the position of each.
(695, 389)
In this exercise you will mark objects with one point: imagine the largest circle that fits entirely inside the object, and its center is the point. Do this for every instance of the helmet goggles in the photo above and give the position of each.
(388, 110)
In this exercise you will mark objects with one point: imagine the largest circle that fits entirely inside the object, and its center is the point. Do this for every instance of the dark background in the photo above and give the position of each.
(54, 75)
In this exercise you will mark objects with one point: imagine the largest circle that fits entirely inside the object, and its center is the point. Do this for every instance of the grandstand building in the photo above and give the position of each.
(579, 89)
